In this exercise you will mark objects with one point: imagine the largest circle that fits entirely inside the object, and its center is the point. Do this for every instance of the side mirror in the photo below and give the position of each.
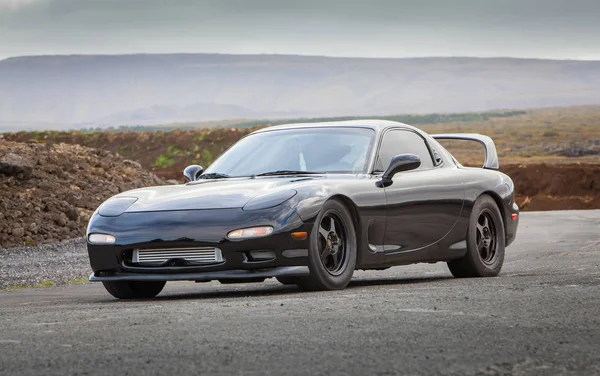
(401, 162)
(192, 172)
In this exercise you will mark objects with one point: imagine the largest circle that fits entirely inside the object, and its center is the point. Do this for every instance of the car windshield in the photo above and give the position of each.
(316, 150)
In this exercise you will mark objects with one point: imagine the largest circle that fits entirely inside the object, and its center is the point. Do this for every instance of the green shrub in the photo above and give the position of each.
(163, 161)
(207, 156)
(168, 159)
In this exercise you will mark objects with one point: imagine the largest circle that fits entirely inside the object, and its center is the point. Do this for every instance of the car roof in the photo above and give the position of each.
(376, 125)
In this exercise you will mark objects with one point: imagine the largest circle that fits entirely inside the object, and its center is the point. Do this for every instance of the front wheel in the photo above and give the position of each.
(485, 242)
(134, 289)
(332, 249)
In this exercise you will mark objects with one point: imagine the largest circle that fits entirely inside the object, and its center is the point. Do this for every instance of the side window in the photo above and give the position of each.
(400, 142)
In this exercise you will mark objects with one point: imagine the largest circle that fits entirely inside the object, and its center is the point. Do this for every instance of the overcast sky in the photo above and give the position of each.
(560, 29)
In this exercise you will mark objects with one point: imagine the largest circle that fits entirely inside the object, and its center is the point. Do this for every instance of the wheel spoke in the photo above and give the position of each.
(484, 253)
(332, 225)
(485, 222)
(323, 232)
(325, 254)
(336, 260)
(480, 228)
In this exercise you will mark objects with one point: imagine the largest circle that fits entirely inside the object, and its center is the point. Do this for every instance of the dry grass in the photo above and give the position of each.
(553, 135)
(541, 135)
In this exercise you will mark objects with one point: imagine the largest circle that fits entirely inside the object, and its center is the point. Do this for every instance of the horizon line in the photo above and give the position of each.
(293, 55)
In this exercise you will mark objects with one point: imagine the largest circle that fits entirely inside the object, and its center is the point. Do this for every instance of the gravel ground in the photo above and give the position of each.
(58, 263)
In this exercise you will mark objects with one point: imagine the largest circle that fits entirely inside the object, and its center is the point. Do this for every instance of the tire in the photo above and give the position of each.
(134, 289)
(332, 250)
(287, 280)
(485, 242)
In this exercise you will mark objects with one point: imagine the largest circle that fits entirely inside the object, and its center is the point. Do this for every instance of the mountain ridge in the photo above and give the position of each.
(78, 91)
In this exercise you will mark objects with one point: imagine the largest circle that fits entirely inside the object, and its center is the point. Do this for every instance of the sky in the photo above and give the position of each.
(556, 29)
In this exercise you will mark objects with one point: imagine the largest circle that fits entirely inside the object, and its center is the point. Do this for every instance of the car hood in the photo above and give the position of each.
(210, 194)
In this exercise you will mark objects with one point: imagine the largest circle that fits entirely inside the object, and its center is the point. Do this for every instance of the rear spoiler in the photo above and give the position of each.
(491, 157)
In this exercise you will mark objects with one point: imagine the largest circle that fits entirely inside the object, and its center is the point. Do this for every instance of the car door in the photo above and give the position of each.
(422, 205)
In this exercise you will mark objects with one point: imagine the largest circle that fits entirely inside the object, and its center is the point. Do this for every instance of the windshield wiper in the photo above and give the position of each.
(213, 175)
(288, 172)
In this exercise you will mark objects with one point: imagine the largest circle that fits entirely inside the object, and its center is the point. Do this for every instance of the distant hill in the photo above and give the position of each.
(63, 92)
(405, 118)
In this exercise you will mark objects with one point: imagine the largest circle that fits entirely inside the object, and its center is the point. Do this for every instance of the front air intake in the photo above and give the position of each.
(191, 255)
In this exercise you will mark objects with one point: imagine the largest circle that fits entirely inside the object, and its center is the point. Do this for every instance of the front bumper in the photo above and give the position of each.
(199, 228)
(233, 275)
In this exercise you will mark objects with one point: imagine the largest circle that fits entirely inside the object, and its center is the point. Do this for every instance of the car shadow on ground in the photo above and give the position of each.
(395, 281)
(261, 290)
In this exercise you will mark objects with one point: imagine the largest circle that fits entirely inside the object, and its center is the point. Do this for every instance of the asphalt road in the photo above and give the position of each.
(541, 316)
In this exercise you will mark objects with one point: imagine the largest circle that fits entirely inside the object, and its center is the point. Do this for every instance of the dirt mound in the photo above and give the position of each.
(164, 153)
(48, 191)
(556, 187)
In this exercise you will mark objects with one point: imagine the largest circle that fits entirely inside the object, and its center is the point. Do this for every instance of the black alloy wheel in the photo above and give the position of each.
(485, 242)
(332, 244)
(332, 251)
(486, 237)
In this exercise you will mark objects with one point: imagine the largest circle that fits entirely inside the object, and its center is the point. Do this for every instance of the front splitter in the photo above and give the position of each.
(290, 271)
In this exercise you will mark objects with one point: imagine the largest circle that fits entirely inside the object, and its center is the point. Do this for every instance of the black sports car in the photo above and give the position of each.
(309, 204)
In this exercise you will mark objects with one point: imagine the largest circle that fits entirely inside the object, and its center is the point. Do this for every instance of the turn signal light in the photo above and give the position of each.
(252, 232)
(299, 235)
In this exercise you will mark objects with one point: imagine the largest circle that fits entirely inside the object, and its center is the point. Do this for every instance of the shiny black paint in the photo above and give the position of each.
(399, 163)
(422, 207)
(421, 217)
(196, 228)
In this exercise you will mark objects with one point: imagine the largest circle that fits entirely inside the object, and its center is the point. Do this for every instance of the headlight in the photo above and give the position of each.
(252, 232)
(269, 200)
(114, 207)
(101, 239)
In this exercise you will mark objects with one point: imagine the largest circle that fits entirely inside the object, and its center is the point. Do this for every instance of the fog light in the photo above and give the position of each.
(295, 253)
(261, 255)
(252, 232)
(101, 239)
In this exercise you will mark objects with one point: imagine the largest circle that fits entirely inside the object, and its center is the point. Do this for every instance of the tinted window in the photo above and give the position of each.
(335, 150)
(400, 142)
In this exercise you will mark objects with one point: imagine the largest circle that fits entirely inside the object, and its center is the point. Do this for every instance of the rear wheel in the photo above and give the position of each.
(134, 289)
(485, 242)
(332, 250)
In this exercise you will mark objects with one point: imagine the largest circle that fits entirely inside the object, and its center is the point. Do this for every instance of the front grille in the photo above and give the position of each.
(191, 255)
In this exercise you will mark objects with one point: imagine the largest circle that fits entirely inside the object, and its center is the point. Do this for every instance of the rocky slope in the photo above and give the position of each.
(49, 191)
